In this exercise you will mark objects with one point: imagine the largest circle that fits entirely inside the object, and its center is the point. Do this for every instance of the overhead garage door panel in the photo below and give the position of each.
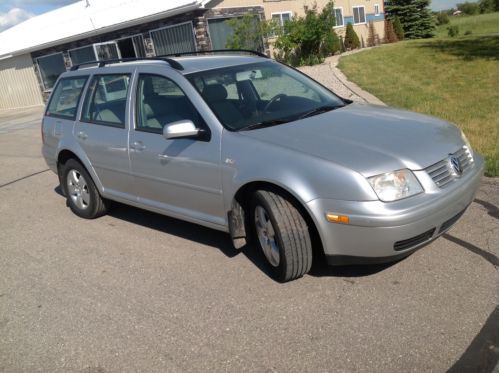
(174, 39)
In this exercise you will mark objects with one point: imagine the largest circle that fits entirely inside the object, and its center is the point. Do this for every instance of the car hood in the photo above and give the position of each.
(366, 138)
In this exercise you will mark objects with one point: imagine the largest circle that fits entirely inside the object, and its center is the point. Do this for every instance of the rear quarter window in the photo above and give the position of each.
(65, 98)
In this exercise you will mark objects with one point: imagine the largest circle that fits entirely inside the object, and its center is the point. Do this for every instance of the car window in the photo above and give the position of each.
(66, 96)
(105, 102)
(161, 101)
(261, 93)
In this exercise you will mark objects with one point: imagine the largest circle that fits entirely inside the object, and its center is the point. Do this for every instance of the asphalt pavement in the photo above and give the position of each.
(134, 291)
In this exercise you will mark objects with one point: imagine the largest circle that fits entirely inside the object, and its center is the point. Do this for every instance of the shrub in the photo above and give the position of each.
(397, 27)
(390, 35)
(453, 31)
(308, 39)
(351, 39)
(442, 18)
(468, 32)
(372, 36)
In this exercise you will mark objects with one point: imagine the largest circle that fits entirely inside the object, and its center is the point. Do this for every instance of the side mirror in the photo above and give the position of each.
(180, 129)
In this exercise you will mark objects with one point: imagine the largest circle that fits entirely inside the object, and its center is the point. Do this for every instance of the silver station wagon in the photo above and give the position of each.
(246, 145)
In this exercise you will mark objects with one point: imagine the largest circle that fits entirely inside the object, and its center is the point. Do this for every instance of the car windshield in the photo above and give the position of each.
(262, 94)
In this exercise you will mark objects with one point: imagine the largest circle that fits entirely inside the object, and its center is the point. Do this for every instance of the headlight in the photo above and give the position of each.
(466, 142)
(395, 185)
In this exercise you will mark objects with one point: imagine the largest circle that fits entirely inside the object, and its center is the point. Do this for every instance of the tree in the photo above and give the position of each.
(488, 6)
(308, 40)
(469, 8)
(415, 17)
(372, 36)
(397, 27)
(351, 39)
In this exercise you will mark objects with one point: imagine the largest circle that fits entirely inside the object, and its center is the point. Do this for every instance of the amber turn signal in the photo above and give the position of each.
(335, 218)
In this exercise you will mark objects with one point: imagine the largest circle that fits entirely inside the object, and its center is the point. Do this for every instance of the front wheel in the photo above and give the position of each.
(82, 195)
(282, 234)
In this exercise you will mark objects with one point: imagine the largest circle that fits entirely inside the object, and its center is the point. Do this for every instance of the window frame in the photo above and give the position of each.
(353, 12)
(133, 43)
(78, 101)
(84, 46)
(377, 10)
(87, 93)
(204, 126)
(289, 12)
(45, 89)
(171, 26)
(342, 17)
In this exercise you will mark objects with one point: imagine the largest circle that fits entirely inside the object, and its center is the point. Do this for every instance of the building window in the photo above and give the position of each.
(174, 39)
(359, 15)
(82, 55)
(221, 32)
(50, 67)
(282, 17)
(376, 9)
(338, 17)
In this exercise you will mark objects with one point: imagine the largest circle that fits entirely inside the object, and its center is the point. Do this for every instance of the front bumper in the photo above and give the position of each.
(382, 232)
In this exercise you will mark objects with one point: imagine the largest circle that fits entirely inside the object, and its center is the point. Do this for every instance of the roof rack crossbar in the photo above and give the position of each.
(174, 64)
(249, 51)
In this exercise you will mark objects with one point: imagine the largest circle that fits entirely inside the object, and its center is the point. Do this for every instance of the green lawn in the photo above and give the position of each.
(456, 79)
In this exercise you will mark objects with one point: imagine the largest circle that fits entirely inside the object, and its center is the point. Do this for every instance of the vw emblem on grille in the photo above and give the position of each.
(455, 165)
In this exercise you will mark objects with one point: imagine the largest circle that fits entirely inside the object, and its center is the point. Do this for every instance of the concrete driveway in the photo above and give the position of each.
(136, 291)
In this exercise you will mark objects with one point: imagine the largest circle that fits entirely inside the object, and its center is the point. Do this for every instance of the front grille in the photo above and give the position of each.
(449, 223)
(442, 172)
(414, 241)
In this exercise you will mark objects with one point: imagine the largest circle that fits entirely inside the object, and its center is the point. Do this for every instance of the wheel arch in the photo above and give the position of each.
(239, 213)
(64, 155)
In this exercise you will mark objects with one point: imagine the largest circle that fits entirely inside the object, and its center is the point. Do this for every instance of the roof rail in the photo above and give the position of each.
(248, 51)
(176, 65)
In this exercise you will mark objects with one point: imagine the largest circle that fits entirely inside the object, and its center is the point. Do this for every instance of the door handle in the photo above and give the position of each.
(137, 145)
(82, 135)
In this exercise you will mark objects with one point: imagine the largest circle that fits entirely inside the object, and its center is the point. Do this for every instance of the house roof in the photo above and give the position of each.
(86, 18)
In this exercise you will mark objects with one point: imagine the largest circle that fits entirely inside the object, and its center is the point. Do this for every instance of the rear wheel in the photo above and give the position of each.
(282, 234)
(82, 195)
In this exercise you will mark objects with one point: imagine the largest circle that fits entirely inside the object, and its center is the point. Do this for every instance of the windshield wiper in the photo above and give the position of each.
(265, 123)
(319, 110)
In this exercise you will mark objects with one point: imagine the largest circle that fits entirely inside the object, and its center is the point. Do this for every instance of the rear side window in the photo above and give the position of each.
(65, 98)
(105, 102)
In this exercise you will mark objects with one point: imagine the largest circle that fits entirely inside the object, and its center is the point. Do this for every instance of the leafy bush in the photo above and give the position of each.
(442, 18)
(468, 32)
(308, 40)
(469, 8)
(488, 6)
(351, 39)
(397, 27)
(453, 31)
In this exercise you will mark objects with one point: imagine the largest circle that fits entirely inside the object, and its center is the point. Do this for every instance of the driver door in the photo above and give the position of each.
(181, 177)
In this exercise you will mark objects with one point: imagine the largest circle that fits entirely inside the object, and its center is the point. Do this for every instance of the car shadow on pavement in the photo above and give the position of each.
(221, 241)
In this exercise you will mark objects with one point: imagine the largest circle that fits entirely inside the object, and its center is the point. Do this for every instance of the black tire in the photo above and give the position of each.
(291, 234)
(95, 205)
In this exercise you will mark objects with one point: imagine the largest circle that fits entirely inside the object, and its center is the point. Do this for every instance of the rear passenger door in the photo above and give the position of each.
(61, 110)
(179, 176)
(102, 131)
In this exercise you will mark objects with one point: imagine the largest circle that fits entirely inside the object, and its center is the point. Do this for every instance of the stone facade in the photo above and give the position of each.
(199, 19)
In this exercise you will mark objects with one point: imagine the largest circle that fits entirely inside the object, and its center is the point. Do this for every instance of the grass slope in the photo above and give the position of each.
(456, 79)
